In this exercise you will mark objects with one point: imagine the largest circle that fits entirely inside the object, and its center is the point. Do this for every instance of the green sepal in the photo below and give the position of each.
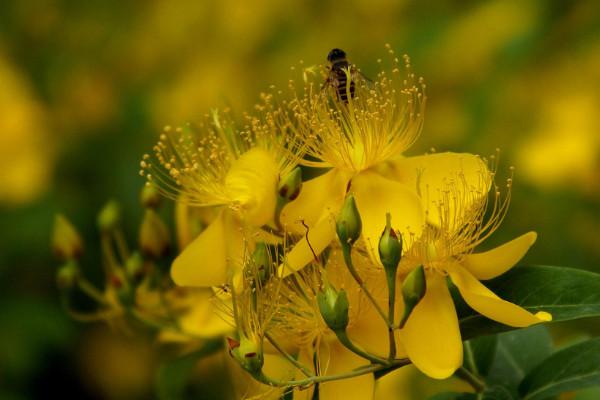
(413, 290)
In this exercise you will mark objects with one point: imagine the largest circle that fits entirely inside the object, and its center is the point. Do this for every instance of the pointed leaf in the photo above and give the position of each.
(575, 367)
(516, 354)
(565, 293)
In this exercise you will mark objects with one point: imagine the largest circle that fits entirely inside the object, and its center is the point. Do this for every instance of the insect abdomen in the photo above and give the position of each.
(343, 86)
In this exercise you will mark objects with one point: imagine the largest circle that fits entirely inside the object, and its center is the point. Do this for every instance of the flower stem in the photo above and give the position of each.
(467, 376)
(345, 340)
(121, 244)
(391, 280)
(366, 369)
(92, 291)
(291, 359)
(347, 251)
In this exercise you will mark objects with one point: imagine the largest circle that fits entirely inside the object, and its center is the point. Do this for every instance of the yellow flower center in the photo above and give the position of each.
(380, 120)
(462, 223)
(218, 164)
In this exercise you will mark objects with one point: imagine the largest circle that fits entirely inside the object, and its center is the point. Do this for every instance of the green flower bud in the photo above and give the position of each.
(413, 290)
(66, 242)
(390, 246)
(260, 268)
(109, 217)
(134, 267)
(247, 354)
(290, 185)
(348, 225)
(334, 308)
(154, 235)
(149, 197)
(68, 275)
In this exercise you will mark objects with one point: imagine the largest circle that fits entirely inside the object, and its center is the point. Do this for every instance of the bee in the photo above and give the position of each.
(339, 71)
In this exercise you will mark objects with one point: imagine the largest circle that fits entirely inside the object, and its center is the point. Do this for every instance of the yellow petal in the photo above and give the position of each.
(436, 169)
(493, 263)
(341, 360)
(189, 221)
(484, 301)
(202, 318)
(205, 262)
(251, 184)
(375, 196)
(431, 335)
(319, 197)
(304, 251)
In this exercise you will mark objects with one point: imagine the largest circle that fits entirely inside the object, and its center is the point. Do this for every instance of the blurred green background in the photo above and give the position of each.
(86, 87)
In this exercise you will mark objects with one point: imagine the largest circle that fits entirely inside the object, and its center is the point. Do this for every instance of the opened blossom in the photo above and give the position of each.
(378, 122)
(232, 170)
(431, 335)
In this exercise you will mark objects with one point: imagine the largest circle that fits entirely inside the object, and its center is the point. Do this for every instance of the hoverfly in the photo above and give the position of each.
(339, 71)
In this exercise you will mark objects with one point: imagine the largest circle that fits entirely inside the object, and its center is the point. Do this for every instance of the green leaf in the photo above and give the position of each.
(478, 354)
(174, 375)
(496, 393)
(493, 393)
(445, 396)
(575, 367)
(517, 353)
(588, 394)
(563, 292)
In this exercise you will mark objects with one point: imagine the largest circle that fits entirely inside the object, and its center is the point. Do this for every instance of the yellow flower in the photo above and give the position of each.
(431, 335)
(298, 325)
(381, 120)
(221, 166)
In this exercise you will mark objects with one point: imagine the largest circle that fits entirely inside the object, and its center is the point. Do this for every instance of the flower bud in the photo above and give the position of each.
(333, 307)
(154, 235)
(348, 225)
(247, 354)
(66, 242)
(413, 290)
(109, 217)
(390, 246)
(68, 275)
(290, 185)
(134, 267)
(149, 197)
(259, 269)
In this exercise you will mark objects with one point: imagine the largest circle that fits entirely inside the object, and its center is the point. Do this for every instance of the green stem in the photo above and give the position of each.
(92, 291)
(122, 247)
(347, 251)
(291, 359)
(367, 369)
(345, 340)
(391, 280)
(109, 255)
(466, 375)
(281, 202)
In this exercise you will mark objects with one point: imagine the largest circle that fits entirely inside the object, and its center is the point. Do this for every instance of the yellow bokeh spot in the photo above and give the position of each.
(25, 155)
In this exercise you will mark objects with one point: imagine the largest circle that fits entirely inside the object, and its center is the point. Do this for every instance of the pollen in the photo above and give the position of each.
(469, 212)
(191, 164)
(378, 120)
